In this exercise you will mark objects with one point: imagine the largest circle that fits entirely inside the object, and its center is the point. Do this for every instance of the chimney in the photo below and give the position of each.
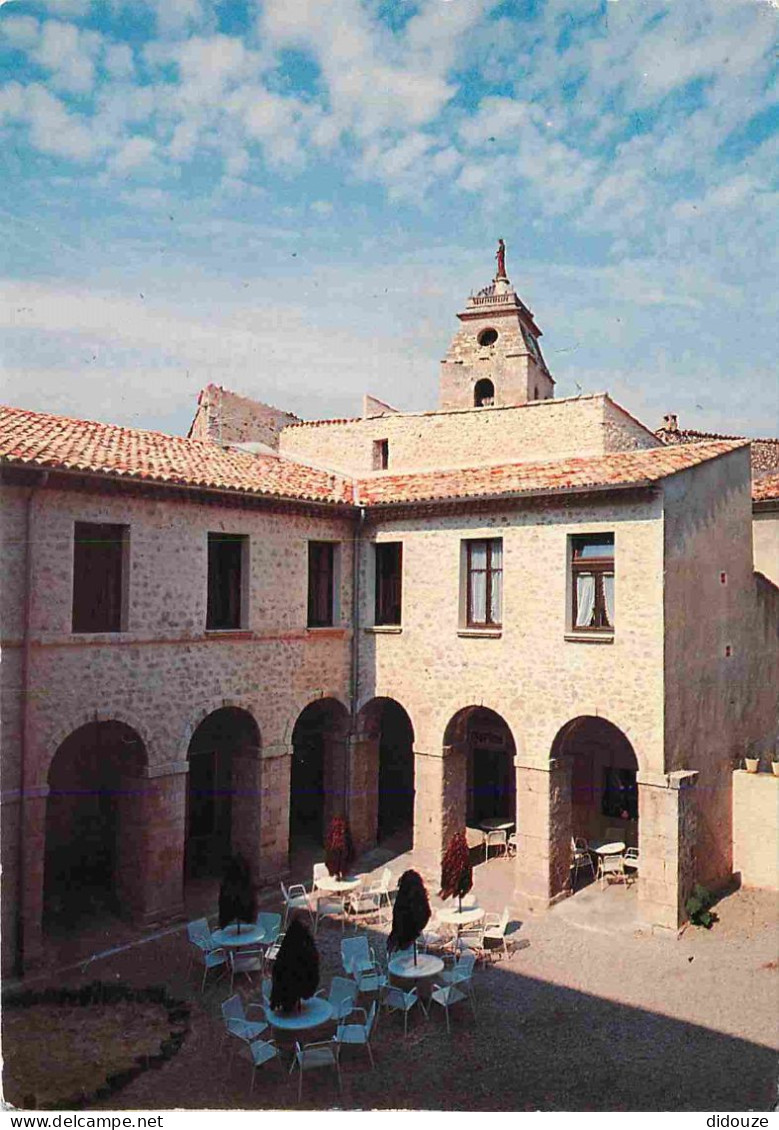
(671, 421)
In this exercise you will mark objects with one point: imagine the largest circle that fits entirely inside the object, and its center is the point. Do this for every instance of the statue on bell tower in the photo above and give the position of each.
(500, 255)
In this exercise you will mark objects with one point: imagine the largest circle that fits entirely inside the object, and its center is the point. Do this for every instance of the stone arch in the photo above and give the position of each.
(383, 776)
(597, 793)
(94, 842)
(199, 714)
(319, 788)
(483, 393)
(480, 745)
(223, 791)
(86, 717)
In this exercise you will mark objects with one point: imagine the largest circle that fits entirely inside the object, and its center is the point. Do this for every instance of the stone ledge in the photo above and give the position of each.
(588, 637)
(480, 633)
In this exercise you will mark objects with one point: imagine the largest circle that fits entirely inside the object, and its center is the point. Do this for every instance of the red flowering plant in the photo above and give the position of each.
(456, 870)
(339, 851)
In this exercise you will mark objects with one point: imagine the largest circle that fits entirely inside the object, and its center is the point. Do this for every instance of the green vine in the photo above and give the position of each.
(698, 907)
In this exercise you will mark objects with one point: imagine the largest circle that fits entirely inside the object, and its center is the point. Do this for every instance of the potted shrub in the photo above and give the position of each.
(751, 763)
(410, 914)
(237, 896)
(775, 760)
(339, 851)
(295, 970)
(456, 870)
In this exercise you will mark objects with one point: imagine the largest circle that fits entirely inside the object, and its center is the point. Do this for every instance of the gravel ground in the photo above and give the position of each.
(579, 1019)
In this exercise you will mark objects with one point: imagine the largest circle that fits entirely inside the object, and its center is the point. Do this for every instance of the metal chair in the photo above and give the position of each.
(262, 1051)
(319, 872)
(342, 996)
(270, 924)
(205, 951)
(396, 1000)
(580, 857)
(237, 1023)
(496, 838)
(631, 861)
(446, 996)
(611, 867)
(511, 845)
(495, 930)
(357, 956)
(323, 1053)
(358, 1035)
(296, 897)
(246, 961)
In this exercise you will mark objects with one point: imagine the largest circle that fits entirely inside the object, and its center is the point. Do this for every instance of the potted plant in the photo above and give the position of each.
(410, 914)
(456, 870)
(295, 970)
(237, 896)
(339, 851)
(751, 763)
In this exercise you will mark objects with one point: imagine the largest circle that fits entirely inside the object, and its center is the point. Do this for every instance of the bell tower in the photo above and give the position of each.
(494, 358)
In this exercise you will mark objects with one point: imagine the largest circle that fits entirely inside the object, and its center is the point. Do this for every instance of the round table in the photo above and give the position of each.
(496, 824)
(312, 1013)
(465, 917)
(427, 965)
(231, 938)
(332, 885)
(615, 848)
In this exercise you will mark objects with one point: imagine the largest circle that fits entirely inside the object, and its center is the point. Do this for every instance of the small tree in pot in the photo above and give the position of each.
(410, 914)
(456, 870)
(339, 851)
(237, 896)
(296, 969)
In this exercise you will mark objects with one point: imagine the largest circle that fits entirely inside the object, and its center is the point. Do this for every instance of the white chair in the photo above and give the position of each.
(495, 929)
(361, 905)
(611, 867)
(357, 956)
(271, 953)
(511, 845)
(296, 898)
(396, 1000)
(237, 1023)
(342, 996)
(631, 864)
(323, 1053)
(358, 1035)
(580, 857)
(446, 996)
(246, 961)
(320, 872)
(496, 838)
(205, 951)
(328, 905)
(461, 975)
(383, 889)
(270, 924)
(262, 1051)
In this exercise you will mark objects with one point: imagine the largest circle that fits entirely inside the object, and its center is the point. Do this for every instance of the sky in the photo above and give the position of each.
(293, 199)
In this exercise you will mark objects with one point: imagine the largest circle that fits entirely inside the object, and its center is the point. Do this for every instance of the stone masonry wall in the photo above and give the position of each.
(765, 539)
(547, 430)
(516, 375)
(165, 674)
(756, 828)
(531, 675)
(722, 647)
(226, 417)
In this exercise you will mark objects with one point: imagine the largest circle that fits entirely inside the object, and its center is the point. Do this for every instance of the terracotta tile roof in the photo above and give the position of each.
(37, 439)
(616, 470)
(765, 487)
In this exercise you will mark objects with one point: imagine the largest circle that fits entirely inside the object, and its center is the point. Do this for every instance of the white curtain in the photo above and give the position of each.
(478, 598)
(497, 582)
(608, 596)
(585, 599)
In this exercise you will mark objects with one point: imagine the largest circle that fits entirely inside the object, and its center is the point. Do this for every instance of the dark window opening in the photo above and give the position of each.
(98, 559)
(535, 392)
(485, 583)
(225, 556)
(592, 582)
(483, 393)
(620, 794)
(487, 337)
(380, 454)
(389, 562)
(321, 562)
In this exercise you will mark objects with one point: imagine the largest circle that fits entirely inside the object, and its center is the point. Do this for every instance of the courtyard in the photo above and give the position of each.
(594, 1011)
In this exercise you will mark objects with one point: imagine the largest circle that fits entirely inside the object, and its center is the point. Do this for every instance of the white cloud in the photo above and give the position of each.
(20, 31)
(68, 53)
(134, 154)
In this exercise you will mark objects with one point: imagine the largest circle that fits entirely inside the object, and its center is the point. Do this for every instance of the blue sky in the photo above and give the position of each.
(293, 198)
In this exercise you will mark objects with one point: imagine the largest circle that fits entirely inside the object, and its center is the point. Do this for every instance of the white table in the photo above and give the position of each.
(459, 918)
(427, 965)
(615, 848)
(497, 824)
(312, 1013)
(332, 885)
(232, 938)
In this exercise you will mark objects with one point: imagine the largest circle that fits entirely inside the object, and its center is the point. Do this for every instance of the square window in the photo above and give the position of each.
(321, 584)
(224, 609)
(484, 583)
(592, 583)
(380, 454)
(99, 576)
(389, 568)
